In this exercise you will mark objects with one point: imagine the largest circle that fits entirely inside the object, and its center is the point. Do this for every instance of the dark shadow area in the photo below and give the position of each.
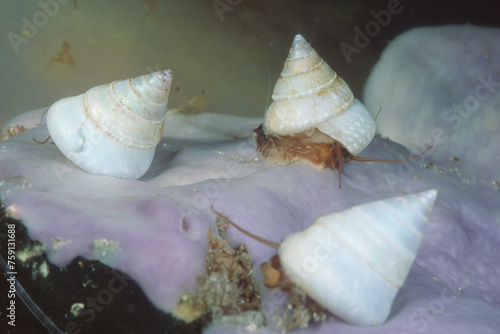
(85, 297)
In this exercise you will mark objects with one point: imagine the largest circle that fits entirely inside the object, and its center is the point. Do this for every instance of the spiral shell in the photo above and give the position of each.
(309, 95)
(354, 262)
(113, 129)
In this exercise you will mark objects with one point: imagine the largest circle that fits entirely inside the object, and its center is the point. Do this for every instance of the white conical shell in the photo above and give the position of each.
(354, 262)
(113, 129)
(308, 94)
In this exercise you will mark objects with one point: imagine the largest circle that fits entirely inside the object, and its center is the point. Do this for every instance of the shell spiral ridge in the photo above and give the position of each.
(131, 111)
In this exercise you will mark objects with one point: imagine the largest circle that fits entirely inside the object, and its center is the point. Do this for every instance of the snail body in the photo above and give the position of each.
(113, 129)
(314, 116)
(310, 95)
(354, 262)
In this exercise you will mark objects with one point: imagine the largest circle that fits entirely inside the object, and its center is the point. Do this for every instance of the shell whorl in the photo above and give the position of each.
(131, 111)
(307, 93)
(354, 128)
(306, 73)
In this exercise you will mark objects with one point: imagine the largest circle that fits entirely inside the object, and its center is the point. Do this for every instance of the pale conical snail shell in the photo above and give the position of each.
(354, 262)
(309, 94)
(113, 129)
